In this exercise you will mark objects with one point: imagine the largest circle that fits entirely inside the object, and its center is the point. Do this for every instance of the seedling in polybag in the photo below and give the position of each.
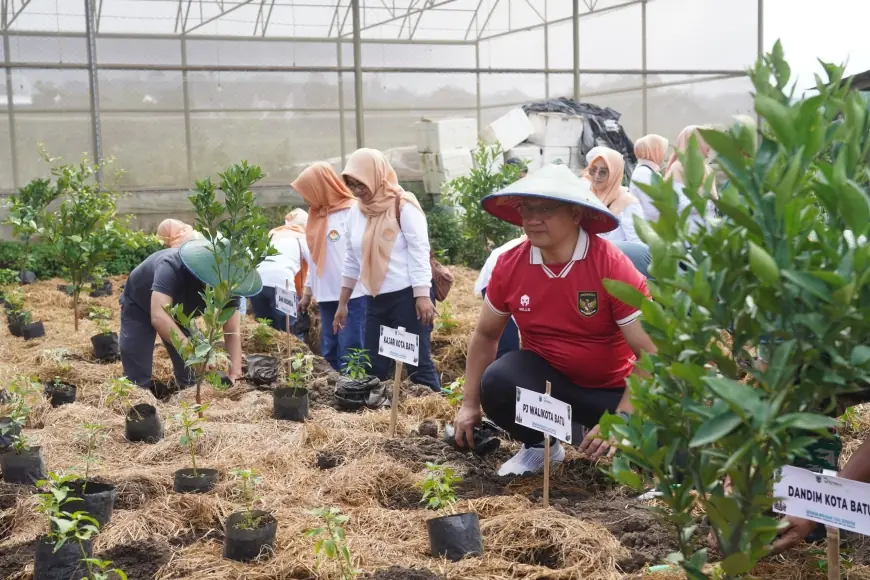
(191, 419)
(301, 370)
(92, 435)
(437, 487)
(357, 364)
(331, 542)
(101, 318)
(64, 526)
(249, 479)
(121, 390)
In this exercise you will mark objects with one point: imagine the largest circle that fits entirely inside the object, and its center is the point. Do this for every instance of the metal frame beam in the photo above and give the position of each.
(93, 85)
(576, 44)
(358, 76)
(408, 14)
(15, 13)
(566, 19)
(10, 100)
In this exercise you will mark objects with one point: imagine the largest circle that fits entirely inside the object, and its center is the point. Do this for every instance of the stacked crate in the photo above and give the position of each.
(445, 148)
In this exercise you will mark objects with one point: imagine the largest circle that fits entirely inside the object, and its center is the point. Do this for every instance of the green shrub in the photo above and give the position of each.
(45, 263)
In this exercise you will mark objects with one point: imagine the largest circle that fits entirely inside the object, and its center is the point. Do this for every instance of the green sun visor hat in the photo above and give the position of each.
(198, 257)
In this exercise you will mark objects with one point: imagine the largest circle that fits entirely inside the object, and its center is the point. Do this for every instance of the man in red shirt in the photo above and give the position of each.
(574, 334)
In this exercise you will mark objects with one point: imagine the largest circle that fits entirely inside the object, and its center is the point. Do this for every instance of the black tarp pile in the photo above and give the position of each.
(600, 127)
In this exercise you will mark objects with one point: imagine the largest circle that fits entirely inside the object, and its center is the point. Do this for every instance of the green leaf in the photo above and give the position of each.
(763, 265)
(808, 421)
(736, 394)
(854, 208)
(715, 429)
(779, 117)
(624, 292)
(860, 355)
(808, 283)
(737, 564)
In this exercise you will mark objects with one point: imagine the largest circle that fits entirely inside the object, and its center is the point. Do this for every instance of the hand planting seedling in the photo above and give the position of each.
(438, 492)
(357, 364)
(454, 392)
(238, 240)
(101, 570)
(263, 335)
(191, 420)
(84, 229)
(101, 318)
(249, 479)
(331, 542)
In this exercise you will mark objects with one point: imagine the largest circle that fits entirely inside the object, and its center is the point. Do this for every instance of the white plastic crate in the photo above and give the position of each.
(530, 154)
(437, 136)
(556, 129)
(509, 130)
(553, 154)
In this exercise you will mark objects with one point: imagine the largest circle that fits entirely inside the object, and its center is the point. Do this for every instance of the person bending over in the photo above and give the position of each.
(575, 335)
(166, 278)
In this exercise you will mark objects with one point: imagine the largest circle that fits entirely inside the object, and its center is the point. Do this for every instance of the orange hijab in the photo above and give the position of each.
(325, 193)
(612, 193)
(371, 168)
(652, 148)
(174, 233)
(294, 227)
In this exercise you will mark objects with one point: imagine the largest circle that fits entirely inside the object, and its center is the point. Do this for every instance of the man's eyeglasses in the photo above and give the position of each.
(540, 211)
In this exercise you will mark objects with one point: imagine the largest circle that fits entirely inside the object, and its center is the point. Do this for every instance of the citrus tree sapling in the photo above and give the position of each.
(301, 370)
(84, 230)
(121, 391)
(27, 215)
(357, 364)
(249, 481)
(238, 237)
(191, 420)
(91, 436)
(446, 322)
(779, 274)
(331, 541)
(454, 392)
(101, 317)
(438, 492)
(64, 525)
(263, 335)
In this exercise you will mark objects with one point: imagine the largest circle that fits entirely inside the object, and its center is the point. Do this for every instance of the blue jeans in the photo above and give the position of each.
(395, 309)
(264, 307)
(334, 347)
(510, 337)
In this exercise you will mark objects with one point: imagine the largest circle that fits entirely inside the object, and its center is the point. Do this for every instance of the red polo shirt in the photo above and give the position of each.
(563, 311)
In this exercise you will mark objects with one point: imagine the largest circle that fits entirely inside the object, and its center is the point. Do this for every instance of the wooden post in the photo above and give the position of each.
(289, 333)
(547, 461)
(394, 403)
(833, 540)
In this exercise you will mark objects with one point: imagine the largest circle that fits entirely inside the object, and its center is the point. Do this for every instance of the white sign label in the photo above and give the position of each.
(399, 345)
(544, 413)
(825, 499)
(285, 301)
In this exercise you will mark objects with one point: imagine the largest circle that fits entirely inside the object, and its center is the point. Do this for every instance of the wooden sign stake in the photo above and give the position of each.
(289, 333)
(547, 461)
(833, 540)
(394, 403)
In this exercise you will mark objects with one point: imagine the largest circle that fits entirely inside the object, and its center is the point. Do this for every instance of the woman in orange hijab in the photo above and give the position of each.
(329, 202)
(675, 172)
(388, 252)
(605, 173)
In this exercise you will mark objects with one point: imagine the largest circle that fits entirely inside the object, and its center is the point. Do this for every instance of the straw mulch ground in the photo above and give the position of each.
(593, 531)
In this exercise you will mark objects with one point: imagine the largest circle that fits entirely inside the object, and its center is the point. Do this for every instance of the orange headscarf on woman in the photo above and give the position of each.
(294, 227)
(371, 168)
(325, 192)
(652, 148)
(174, 233)
(612, 193)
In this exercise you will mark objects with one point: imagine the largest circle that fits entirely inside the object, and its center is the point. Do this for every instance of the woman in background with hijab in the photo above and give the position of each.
(675, 172)
(605, 173)
(388, 253)
(329, 202)
(289, 264)
(650, 152)
(173, 233)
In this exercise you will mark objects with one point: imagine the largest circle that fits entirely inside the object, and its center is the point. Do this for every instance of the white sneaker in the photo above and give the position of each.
(531, 459)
